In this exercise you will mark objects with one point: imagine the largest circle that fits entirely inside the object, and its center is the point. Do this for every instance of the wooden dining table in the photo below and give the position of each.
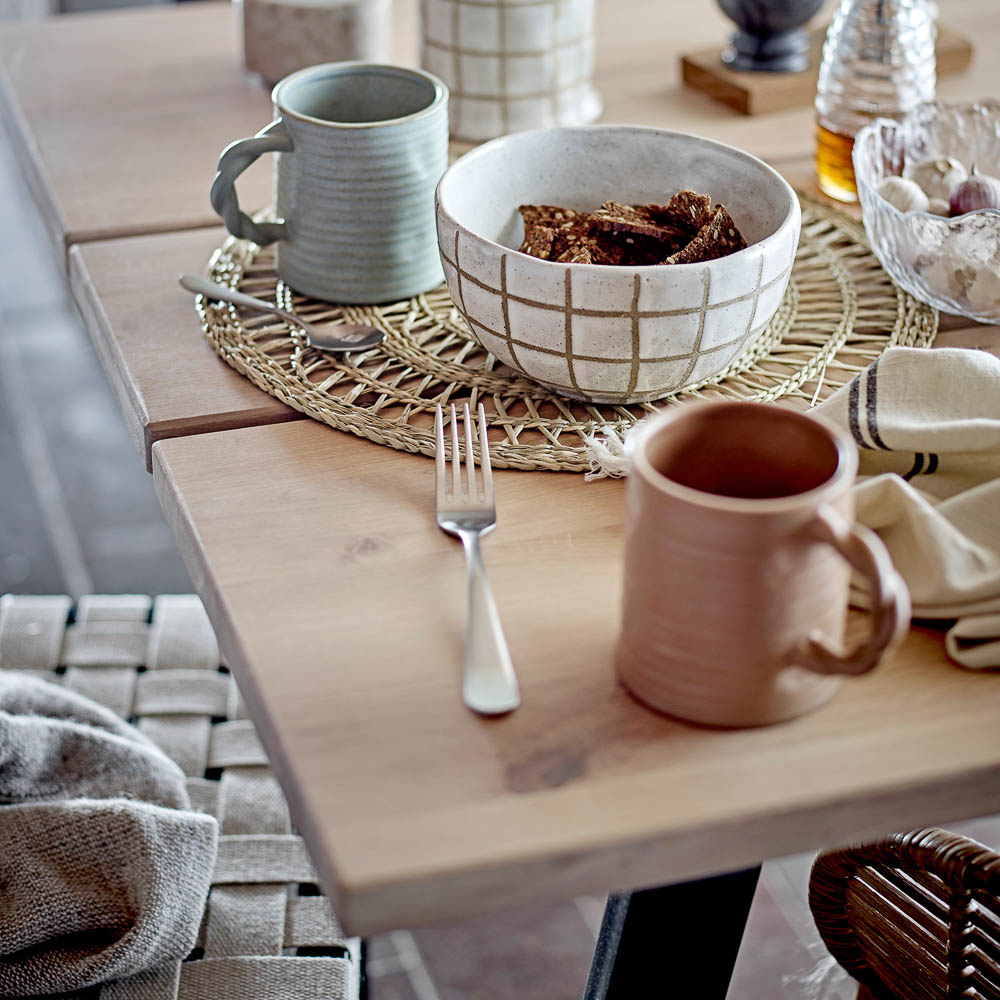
(338, 603)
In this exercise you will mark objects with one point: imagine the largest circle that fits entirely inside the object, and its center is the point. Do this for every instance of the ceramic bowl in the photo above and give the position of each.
(952, 264)
(612, 334)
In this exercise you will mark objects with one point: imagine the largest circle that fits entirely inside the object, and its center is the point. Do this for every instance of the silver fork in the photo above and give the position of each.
(467, 509)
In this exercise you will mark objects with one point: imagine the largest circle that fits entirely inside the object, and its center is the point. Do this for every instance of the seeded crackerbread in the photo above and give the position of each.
(685, 229)
(719, 237)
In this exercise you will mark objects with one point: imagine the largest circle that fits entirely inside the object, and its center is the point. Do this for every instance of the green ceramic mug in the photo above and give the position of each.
(360, 148)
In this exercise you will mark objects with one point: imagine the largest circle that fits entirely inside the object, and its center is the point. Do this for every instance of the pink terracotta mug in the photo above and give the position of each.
(740, 539)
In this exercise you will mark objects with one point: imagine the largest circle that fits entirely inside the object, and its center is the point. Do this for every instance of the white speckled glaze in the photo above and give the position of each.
(600, 333)
(360, 149)
(512, 64)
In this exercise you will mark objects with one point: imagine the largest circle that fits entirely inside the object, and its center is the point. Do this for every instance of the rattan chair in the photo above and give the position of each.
(267, 933)
(912, 917)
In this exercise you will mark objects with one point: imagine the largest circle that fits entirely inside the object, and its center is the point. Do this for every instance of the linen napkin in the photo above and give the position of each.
(927, 425)
(104, 868)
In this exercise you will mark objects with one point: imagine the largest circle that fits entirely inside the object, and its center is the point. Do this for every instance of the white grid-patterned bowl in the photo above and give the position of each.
(601, 333)
(511, 64)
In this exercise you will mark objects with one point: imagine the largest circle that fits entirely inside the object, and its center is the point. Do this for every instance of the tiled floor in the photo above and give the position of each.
(78, 514)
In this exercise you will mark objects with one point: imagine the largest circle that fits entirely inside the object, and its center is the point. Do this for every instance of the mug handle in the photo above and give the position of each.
(890, 599)
(235, 158)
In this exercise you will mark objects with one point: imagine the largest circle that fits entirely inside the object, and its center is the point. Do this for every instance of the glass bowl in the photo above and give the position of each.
(952, 264)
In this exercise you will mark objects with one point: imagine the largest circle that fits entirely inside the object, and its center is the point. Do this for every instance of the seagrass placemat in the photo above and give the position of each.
(841, 311)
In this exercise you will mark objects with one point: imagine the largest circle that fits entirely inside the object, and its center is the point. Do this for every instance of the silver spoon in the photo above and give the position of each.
(350, 337)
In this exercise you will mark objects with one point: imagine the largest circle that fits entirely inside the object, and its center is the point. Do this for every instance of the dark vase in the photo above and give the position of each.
(770, 36)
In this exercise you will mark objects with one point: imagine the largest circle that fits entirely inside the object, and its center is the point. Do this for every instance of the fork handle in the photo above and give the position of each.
(489, 685)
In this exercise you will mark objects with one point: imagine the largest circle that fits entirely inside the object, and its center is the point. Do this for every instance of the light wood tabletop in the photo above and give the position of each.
(118, 118)
(143, 326)
(166, 376)
(339, 603)
(341, 608)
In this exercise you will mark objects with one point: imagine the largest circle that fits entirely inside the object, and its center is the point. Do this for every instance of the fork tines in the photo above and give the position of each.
(471, 490)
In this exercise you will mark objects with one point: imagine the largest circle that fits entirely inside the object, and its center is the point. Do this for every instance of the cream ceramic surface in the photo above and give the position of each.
(600, 333)
(360, 149)
(512, 64)
(739, 540)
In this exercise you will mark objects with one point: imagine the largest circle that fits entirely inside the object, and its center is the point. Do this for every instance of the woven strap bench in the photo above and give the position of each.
(267, 933)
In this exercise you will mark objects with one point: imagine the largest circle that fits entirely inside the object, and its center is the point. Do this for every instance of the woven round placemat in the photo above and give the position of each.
(841, 311)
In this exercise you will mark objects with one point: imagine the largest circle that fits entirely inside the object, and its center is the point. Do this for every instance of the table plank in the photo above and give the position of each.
(118, 117)
(166, 376)
(957, 331)
(341, 609)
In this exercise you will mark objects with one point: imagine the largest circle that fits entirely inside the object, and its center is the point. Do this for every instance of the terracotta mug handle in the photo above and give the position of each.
(890, 599)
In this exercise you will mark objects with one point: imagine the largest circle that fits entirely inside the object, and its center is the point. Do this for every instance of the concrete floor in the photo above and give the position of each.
(78, 515)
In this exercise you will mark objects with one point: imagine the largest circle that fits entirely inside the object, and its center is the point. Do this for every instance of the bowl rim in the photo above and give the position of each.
(790, 221)
(873, 128)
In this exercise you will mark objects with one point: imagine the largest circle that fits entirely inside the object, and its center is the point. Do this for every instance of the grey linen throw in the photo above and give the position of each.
(104, 868)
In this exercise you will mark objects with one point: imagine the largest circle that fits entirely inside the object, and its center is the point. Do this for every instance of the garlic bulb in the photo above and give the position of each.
(938, 176)
(978, 191)
(939, 206)
(904, 194)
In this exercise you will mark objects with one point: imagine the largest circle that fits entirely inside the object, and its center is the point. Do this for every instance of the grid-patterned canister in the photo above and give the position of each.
(512, 64)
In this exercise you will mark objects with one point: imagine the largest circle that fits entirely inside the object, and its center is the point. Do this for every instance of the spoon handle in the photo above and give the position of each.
(202, 286)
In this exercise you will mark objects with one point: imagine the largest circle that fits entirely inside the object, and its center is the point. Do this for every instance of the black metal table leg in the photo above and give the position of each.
(647, 934)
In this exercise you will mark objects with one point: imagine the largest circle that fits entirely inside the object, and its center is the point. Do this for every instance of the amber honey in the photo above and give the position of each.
(834, 169)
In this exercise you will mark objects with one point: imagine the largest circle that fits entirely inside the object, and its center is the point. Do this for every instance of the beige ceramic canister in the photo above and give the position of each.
(740, 538)
(282, 36)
